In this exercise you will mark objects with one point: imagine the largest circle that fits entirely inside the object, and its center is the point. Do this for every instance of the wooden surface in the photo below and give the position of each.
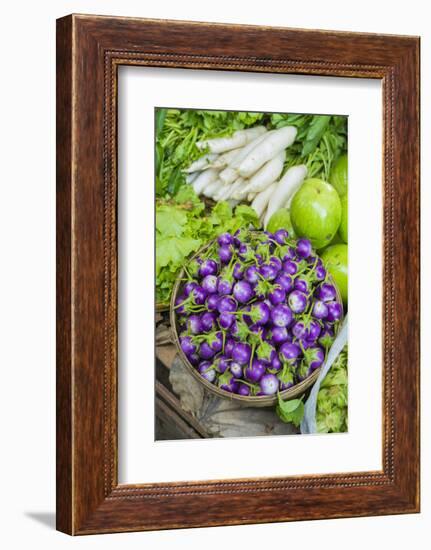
(89, 50)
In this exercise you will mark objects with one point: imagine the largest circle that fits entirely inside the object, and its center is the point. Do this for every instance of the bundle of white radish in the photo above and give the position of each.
(242, 166)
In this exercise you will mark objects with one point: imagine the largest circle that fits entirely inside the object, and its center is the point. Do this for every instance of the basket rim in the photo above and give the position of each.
(256, 401)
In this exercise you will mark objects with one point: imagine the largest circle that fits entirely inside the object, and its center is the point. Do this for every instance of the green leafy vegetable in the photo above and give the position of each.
(290, 411)
(331, 413)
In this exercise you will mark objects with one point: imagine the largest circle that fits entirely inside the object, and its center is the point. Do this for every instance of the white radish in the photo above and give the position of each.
(241, 192)
(233, 189)
(273, 144)
(267, 174)
(250, 197)
(213, 188)
(286, 187)
(228, 175)
(261, 200)
(245, 151)
(190, 178)
(204, 179)
(237, 139)
(222, 193)
(201, 163)
(223, 160)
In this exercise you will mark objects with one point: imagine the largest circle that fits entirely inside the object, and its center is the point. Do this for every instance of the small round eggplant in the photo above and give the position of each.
(208, 267)
(281, 315)
(269, 384)
(209, 284)
(297, 301)
(242, 292)
(241, 353)
(207, 371)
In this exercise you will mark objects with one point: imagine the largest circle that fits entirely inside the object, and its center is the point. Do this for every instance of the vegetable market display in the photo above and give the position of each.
(270, 192)
(257, 312)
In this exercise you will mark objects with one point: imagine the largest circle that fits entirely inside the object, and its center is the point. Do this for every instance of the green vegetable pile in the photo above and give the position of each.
(331, 414)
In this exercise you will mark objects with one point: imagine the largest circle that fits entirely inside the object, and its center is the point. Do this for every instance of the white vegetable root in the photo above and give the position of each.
(204, 179)
(201, 163)
(273, 144)
(212, 189)
(223, 160)
(261, 200)
(228, 175)
(286, 187)
(267, 174)
(245, 151)
(237, 139)
(190, 178)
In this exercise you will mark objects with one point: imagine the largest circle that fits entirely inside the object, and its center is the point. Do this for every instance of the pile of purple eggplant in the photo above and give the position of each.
(256, 312)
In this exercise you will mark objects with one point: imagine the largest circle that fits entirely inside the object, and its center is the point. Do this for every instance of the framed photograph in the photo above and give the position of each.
(237, 274)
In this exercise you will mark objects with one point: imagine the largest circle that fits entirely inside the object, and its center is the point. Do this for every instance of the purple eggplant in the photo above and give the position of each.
(211, 302)
(188, 287)
(279, 335)
(225, 239)
(320, 273)
(242, 292)
(206, 370)
(289, 352)
(314, 330)
(243, 389)
(236, 369)
(269, 384)
(285, 281)
(221, 363)
(290, 267)
(226, 303)
(225, 320)
(302, 284)
(224, 286)
(254, 372)
(326, 292)
(187, 345)
(277, 295)
(303, 248)
(208, 321)
(335, 311)
(319, 310)
(225, 253)
(297, 301)
(241, 353)
(193, 324)
(208, 267)
(215, 341)
(205, 351)
(281, 236)
(198, 295)
(268, 271)
(209, 284)
(281, 315)
(259, 313)
(238, 271)
(228, 347)
(251, 274)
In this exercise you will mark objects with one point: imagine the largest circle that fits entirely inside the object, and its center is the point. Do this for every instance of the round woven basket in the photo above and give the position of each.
(249, 401)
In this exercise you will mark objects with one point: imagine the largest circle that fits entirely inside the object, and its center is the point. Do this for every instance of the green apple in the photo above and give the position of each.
(338, 175)
(335, 259)
(316, 212)
(281, 220)
(344, 217)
